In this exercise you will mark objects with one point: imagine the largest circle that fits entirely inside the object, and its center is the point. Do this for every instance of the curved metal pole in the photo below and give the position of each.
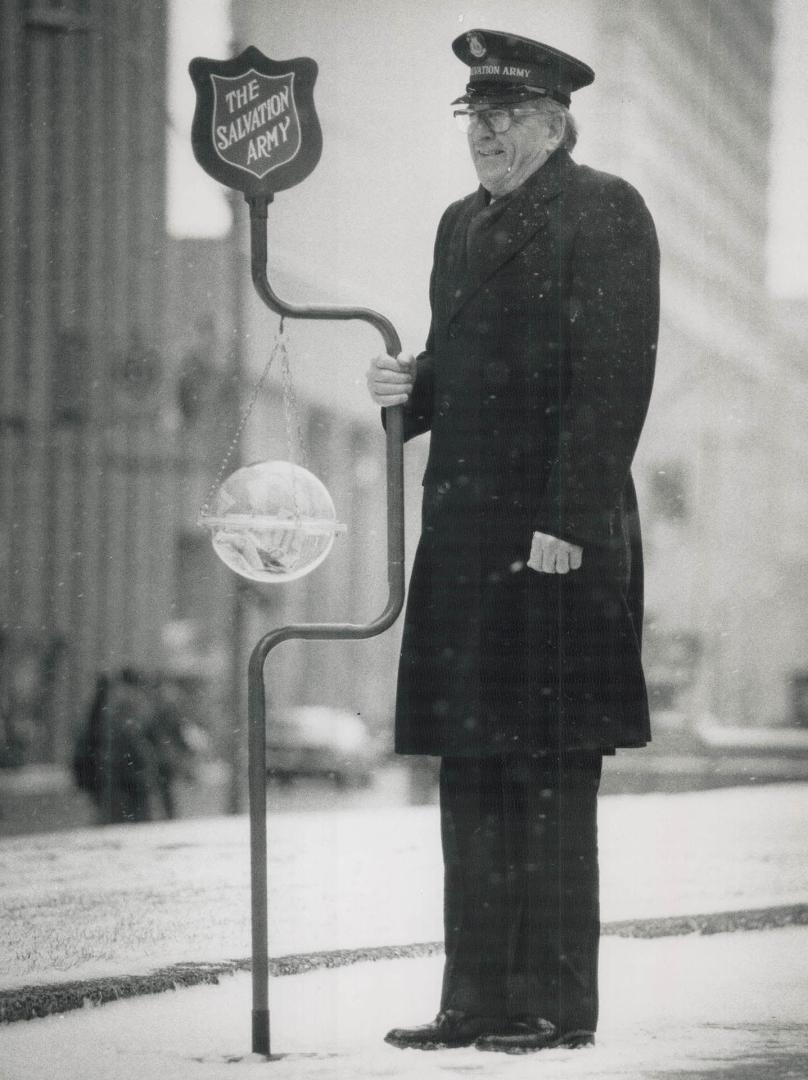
(311, 631)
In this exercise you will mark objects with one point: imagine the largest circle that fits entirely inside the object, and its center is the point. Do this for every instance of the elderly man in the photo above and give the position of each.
(520, 662)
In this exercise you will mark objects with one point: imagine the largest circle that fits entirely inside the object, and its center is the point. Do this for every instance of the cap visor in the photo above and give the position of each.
(504, 96)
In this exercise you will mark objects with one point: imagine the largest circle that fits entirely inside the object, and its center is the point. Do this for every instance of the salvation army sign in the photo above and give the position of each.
(255, 128)
(255, 121)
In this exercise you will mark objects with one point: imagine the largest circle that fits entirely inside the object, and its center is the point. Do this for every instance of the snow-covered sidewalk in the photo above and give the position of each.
(129, 899)
(728, 1007)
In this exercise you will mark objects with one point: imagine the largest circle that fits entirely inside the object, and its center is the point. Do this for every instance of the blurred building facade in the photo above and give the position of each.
(721, 459)
(126, 357)
(82, 541)
(120, 394)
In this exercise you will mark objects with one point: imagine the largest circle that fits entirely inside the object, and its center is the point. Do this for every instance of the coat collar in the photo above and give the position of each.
(546, 182)
(525, 214)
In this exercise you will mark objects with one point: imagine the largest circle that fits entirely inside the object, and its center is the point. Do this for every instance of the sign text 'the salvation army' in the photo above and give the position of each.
(256, 117)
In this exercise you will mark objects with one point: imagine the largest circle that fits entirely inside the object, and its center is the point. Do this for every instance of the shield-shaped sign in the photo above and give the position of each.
(255, 128)
(255, 121)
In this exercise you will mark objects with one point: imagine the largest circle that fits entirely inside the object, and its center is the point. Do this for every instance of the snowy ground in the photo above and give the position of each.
(728, 1007)
(125, 900)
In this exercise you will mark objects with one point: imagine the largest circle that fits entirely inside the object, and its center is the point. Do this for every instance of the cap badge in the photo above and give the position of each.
(477, 46)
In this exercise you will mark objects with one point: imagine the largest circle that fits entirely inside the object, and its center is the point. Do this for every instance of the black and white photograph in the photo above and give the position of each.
(403, 539)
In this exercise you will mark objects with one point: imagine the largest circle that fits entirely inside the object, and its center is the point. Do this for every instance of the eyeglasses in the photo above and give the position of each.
(496, 120)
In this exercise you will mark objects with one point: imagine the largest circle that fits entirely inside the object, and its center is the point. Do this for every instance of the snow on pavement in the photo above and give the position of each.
(725, 1006)
(125, 900)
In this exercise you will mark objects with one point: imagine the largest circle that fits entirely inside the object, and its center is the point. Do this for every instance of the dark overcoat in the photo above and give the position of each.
(535, 384)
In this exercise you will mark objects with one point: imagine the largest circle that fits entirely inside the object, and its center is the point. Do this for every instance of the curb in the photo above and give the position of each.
(29, 1002)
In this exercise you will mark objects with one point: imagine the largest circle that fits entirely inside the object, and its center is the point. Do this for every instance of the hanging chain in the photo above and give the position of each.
(295, 446)
(278, 347)
(294, 435)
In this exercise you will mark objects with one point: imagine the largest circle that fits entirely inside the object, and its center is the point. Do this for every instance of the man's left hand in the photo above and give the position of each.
(549, 555)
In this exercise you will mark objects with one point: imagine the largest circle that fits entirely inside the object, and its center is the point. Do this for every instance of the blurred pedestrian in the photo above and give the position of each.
(520, 660)
(114, 759)
(175, 740)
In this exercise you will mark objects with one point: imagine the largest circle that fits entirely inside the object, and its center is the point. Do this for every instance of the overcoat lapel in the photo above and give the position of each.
(526, 214)
(457, 268)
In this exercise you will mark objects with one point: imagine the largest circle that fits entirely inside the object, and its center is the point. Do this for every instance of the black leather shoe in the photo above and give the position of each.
(449, 1029)
(528, 1036)
(576, 1040)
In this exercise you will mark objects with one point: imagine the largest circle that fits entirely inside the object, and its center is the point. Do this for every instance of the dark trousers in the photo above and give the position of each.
(521, 908)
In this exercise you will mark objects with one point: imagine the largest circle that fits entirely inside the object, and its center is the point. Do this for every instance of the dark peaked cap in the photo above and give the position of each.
(506, 68)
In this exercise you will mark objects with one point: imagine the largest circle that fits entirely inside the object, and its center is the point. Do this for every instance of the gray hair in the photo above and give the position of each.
(552, 108)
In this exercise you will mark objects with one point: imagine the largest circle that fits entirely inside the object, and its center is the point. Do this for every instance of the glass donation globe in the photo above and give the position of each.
(273, 521)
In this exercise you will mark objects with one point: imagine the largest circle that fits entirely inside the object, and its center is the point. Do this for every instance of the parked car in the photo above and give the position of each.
(318, 741)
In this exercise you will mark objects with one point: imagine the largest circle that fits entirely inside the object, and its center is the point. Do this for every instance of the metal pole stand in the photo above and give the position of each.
(255, 129)
(312, 631)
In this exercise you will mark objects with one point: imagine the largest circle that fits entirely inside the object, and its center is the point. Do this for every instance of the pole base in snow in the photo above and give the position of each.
(260, 1031)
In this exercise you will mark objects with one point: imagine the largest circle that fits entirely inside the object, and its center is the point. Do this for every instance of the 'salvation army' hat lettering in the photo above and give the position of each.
(506, 68)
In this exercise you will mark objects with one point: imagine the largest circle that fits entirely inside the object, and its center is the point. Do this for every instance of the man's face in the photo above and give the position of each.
(504, 160)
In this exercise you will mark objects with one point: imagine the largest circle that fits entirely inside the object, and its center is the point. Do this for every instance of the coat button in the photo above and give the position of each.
(453, 331)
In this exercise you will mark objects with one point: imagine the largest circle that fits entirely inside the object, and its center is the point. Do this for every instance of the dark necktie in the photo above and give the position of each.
(480, 230)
